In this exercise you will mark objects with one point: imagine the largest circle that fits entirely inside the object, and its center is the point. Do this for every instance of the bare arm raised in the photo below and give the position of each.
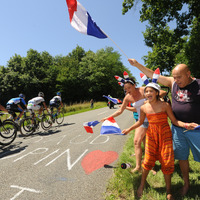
(167, 81)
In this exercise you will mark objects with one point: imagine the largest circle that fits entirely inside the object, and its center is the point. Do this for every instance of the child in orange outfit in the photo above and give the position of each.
(159, 144)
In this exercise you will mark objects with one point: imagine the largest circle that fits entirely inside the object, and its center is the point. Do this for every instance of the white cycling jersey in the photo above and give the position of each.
(36, 100)
(55, 99)
(33, 104)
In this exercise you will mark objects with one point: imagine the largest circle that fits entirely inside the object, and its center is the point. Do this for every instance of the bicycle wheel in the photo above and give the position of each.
(8, 133)
(60, 117)
(46, 121)
(27, 126)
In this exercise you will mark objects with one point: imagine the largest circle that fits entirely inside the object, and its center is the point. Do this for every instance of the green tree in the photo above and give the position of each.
(68, 76)
(79, 76)
(29, 75)
(192, 49)
(99, 70)
(167, 43)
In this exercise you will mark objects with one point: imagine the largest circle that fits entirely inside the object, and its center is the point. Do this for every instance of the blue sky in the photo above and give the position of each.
(44, 25)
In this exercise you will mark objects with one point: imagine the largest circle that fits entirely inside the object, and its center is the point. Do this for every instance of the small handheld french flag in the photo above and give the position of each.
(109, 126)
(89, 126)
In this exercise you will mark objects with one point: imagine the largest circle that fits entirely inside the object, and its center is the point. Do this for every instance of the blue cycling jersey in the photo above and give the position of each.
(16, 101)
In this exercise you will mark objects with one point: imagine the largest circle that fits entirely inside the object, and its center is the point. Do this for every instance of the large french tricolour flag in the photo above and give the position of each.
(81, 20)
(109, 126)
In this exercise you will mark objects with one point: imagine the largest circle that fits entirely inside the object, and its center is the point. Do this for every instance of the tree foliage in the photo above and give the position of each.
(170, 46)
(80, 75)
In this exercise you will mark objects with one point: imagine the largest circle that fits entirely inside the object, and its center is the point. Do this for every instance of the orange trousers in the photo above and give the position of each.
(159, 144)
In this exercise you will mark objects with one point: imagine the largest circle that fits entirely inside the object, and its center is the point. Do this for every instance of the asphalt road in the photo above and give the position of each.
(64, 163)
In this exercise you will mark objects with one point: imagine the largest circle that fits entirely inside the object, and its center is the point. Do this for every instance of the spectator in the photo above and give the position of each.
(134, 95)
(91, 103)
(158, 136)
(186, 107)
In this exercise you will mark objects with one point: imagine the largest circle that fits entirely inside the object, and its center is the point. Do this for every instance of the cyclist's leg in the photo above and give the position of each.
(40, 109)
(13, 114)
(11, 111)
(58, 106)
(51, 105)
(54, 105)
(15, 109)
(21, 113)
(31, 109)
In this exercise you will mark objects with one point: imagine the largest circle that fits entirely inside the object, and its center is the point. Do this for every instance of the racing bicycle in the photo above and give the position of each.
(8, 131)
(32, 123)
(57, 116)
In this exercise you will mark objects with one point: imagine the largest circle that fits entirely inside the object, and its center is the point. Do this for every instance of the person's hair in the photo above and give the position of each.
(131, 81)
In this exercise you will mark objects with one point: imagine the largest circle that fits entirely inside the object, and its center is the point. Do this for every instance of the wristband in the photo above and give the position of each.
(186, 125)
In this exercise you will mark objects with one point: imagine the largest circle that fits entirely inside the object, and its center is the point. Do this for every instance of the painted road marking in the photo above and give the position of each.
(22, 189)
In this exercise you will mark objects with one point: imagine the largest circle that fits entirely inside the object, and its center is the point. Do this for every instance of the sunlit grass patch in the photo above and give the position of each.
(123, 185)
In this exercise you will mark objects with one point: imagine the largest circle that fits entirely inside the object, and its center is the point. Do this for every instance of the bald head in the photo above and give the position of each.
(182, 75)
(181, 68)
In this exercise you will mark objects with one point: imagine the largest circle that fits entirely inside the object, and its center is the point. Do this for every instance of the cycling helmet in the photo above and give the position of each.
(22, 95)
(58, 93)
(40, 94)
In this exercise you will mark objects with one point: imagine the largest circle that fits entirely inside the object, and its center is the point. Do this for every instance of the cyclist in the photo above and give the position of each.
(56, 102)
(16, 104)
(37, 103)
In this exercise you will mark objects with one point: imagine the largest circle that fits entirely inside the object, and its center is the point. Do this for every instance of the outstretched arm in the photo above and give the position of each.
(137, 124)
(167, 81)
(133, 109)
(119, 111)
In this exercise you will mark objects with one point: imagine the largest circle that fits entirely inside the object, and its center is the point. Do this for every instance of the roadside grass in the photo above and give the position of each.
(123, 185)
(71, 109)
(82, 107)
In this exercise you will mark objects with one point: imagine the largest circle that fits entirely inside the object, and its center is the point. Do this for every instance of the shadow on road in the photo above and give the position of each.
(12, 149)
(65, 124)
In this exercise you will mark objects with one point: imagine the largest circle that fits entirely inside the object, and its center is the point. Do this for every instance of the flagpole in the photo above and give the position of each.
(115, 44)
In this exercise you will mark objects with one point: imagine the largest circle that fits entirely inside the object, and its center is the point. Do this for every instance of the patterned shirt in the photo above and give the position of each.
(186, 102)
